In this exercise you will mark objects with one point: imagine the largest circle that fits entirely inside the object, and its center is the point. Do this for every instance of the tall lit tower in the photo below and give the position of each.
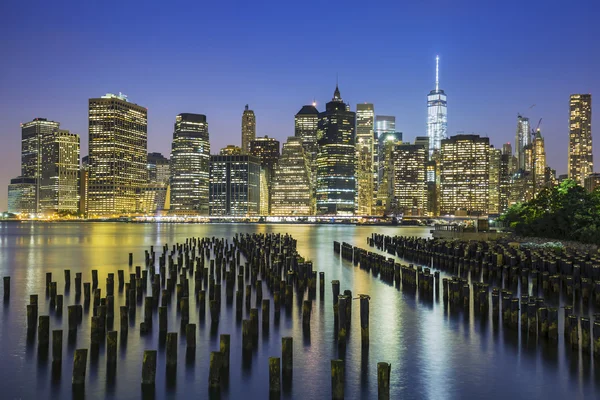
(336, 185)
(365, 126)
(190, 157)
(580, 137)
(437, 113)
(118, 154)
(248, 129)
(522, 141)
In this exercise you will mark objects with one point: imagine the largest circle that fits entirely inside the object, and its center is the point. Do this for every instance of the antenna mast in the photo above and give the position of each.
(437, 73)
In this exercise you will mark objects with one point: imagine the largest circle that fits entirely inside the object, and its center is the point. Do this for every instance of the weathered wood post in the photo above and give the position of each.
(383, 380)
(306, 311)
(224, 345)
(342, 320)
(149, 368)
(574, 331)
(44, 330)
(596, 339)
(287, 357)
(79, 367)
(364, 318)
(337, 379)
(247, 338)
(6, 280)
(78, 283)
(95, 278)
(321, 285)
(215, 370)
(266, 312)
(162, 319)
(335, 287)
(190, 336)
(86, 291)
(111, 349)
(171, 350)
(553, 324)
(274, 375)
(57, 339)
(585, 335)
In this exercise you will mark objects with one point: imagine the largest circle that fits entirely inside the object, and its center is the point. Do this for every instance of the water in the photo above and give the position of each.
(433, 355)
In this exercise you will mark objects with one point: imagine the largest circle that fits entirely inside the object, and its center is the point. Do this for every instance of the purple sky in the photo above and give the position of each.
(214, 57)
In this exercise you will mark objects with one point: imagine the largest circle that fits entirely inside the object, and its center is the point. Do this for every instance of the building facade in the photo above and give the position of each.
(365, 137)
(230, 150)
(159, 169)
(581, 162)
(266, 149)
(522, 142)
(248, 129)
(592, 181)
(539, 162)
(190, 158)
(118, 152)
(59, 183)
(306, 123)
(336, 182)
(31, 151)
(291, 193)
(234, 186)
(437, 114)
(22, 196)
(464, 175)
(409, 179)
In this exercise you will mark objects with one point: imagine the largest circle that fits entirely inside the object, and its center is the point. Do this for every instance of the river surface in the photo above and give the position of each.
(434, 354)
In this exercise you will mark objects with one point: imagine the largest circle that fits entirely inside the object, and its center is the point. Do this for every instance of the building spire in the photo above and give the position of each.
(437, 73)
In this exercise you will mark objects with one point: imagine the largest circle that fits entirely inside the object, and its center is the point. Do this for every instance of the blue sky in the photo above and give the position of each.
(497, 59)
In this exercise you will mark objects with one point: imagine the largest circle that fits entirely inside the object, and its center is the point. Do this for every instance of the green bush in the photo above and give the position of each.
(565, 212)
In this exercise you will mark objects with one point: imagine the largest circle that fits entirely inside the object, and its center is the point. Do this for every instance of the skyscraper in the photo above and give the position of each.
(522, 141)
(384, 124)
(31, 151)
(118, 152)
(365, 136)
(234, 185)
(22, 196)
(385, 189)
(580, 137)
(539, 161)
(291, 193)
(437, 113)
(336, 184)
(465, 175)
(230, 150)
(190, 158)
(409, 183)
(266, 149)
(60, 173)
(248, 129)
(494, 199)
(306, 124)
(159, 169)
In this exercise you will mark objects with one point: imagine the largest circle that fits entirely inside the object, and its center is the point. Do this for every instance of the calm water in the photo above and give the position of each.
(434, 355)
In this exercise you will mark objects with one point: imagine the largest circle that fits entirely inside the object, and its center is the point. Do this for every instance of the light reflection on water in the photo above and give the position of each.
(434, 353)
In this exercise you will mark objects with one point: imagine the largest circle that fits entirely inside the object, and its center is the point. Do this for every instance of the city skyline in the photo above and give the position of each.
(475, 68)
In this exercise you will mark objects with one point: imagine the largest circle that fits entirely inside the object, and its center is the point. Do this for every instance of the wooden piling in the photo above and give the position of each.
(306, 311)
(337, 379)
(274, 375)
(124, 317)
(266, 312)
(585, 335)
(44, 330)
(111, 348)
(149, 368)
(364, 319)
(247, 337)
(214, 372)
(190, 336)
(6, 280)
(596, 339)
(383, 380)
(287, 355)
(224, 346)
(171, 349)
(79, 367)
(57, 339)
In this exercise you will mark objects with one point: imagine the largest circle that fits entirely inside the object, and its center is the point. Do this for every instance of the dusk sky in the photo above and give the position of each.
(214, 57)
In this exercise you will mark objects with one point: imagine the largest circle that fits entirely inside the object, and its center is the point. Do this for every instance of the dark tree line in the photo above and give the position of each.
(566, 212)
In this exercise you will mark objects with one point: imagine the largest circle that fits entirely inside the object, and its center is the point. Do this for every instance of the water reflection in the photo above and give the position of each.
(435, 350)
